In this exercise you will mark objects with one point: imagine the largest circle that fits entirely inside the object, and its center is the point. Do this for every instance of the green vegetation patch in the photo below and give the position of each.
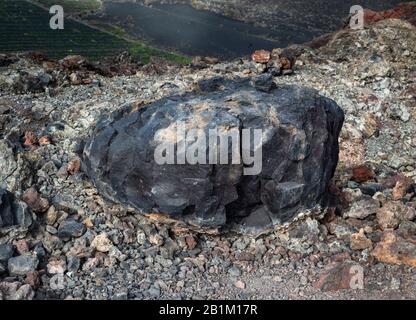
(74, 6)
(25, 27)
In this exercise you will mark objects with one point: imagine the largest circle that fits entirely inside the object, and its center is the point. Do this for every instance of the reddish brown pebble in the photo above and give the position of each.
(362, 174)
(35, 201)
(74, 166)
(32, 278)
(191, 242)
(261, 56)
(30, 139)
(22, 246)
(45, 140)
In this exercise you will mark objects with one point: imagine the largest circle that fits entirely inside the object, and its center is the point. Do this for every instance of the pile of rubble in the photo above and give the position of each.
(71, 70)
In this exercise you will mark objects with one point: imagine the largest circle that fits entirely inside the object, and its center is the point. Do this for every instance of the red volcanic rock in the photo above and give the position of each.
(393, 249)
(362, 174)
(30, 139)
(32, 278)
(35, 201)
(403, 185)
(261, 56)
(74, 166)
(337, 276)
(406, 11)
(45, 140)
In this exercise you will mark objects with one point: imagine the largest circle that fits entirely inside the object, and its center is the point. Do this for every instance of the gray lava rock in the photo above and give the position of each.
(15, 171)
(73, 263)
(299, 146)
(31, 82)
(6, 252)
(264, 82)
(70, 229)
(13, 212)
(21, 265)
(3, 268)
(6, 208)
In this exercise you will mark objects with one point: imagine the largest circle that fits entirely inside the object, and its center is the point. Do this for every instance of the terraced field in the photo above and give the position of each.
(74, 6)
(25, 27)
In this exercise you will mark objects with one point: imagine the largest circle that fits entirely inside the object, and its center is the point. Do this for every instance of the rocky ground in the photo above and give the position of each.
(60, 239)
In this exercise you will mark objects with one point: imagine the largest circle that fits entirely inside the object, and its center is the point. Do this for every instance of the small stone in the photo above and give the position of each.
(370, 125)
(395, 284)
(240, 284)
(35, 201)
(359, 241)
(287, 60)
(371, 188)
(154, 292)
(23, 215)
(121, 295)
(73, 263)
(45, 140)
(73, 77)
(287, 72)
(101, 243)
(6, 252)
(3, 270)
(30, 139)
(141, 237)
(70, 228)
(51, 215)
(407, 230)
(394, 249)
(191, 242)
(22, 246)
(88, 223)
(263, 82)
(392, 213)
(21, 265)
(261, 56)
(401, 188)
(56, 266)
(13, 211)
(211, 84)
(90, 264)
(234, 271)
(62, 172)
(156, 239)
(25, 292)
(117, 254)
(362, 174)
(51, 229)
(363, 208)
(32, 278)
(74, 166)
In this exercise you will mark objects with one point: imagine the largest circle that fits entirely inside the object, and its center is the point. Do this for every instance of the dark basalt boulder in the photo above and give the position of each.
(299, 146)
(13, 212)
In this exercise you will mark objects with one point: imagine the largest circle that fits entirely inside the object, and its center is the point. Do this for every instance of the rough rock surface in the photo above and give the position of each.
(394, 249)
(299, 154)
(12, 211)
